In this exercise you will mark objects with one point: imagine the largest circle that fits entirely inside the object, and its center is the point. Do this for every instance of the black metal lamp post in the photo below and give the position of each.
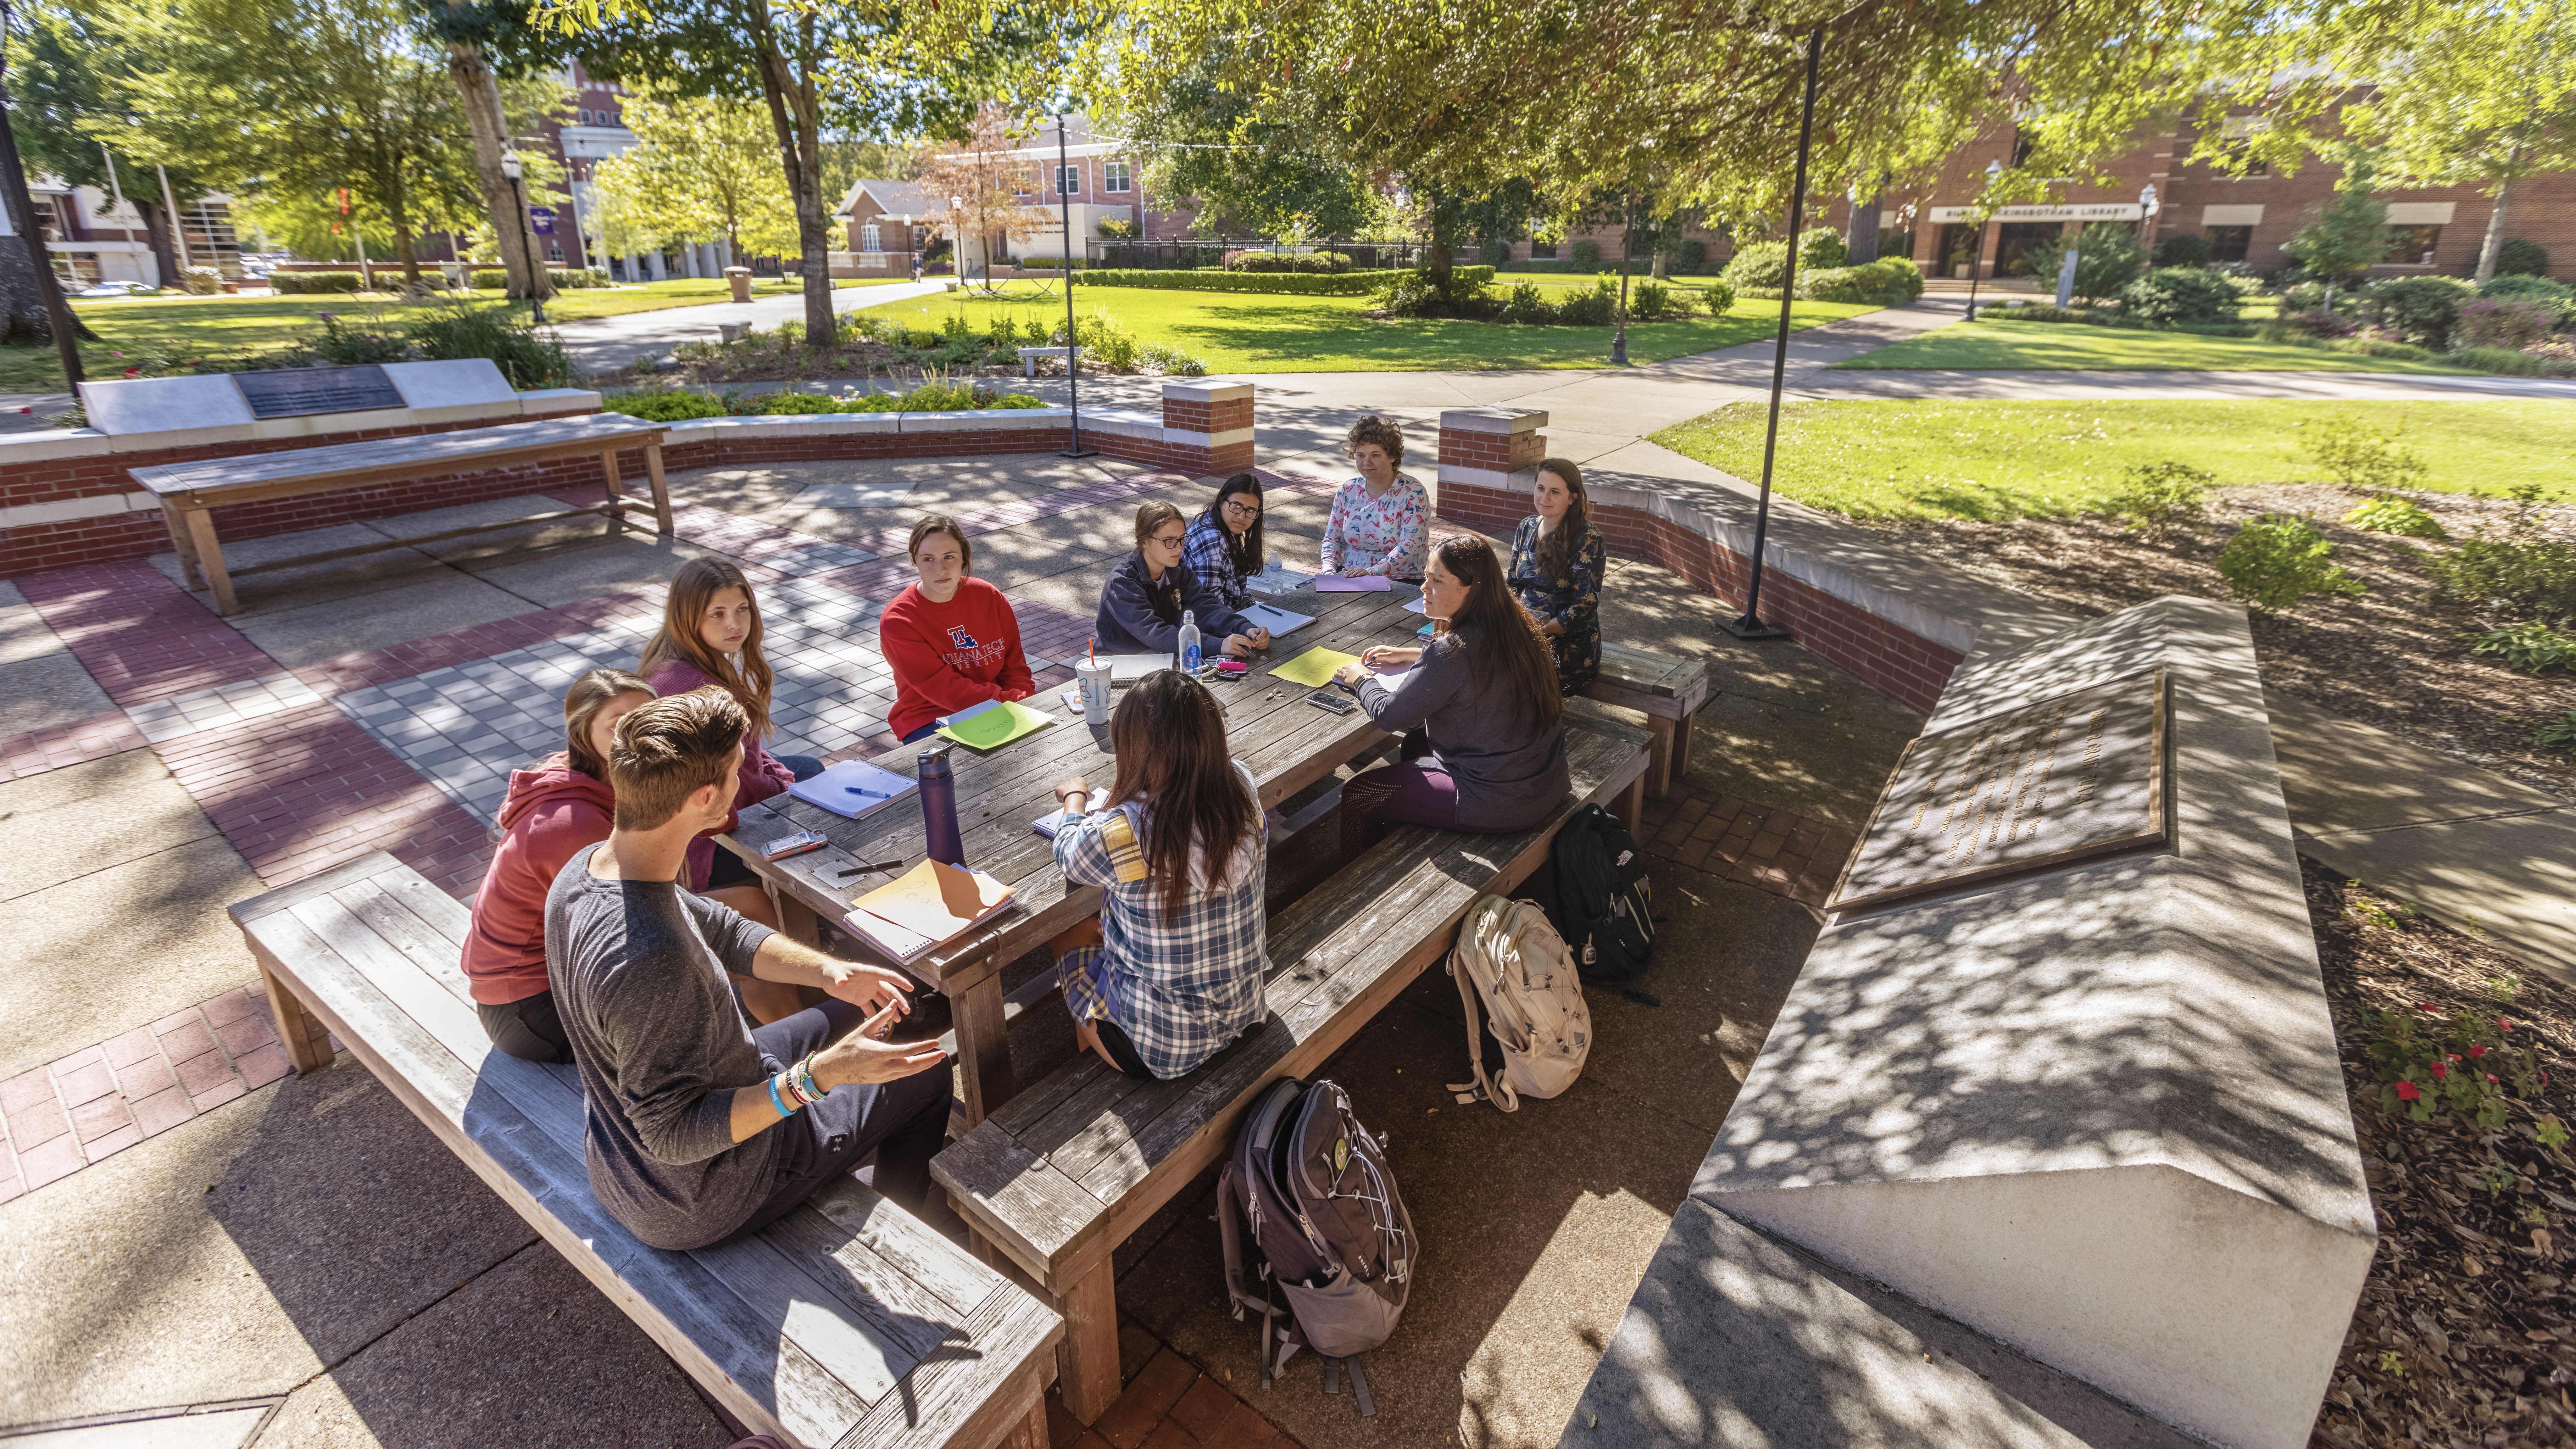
(511, 168)
(1751, 626)
(1072, 333)
(1977, 256)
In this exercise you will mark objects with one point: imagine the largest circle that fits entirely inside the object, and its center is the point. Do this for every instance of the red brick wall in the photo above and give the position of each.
(1897, 662)
(1497, 452)
(1192, 416)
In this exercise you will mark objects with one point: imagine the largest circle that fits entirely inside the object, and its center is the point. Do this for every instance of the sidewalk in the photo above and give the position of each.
(611, 342)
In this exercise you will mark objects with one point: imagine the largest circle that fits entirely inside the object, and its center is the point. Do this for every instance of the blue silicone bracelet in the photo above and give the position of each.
(776, 1101)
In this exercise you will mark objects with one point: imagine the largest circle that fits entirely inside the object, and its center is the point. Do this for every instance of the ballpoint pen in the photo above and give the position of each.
(863, 790)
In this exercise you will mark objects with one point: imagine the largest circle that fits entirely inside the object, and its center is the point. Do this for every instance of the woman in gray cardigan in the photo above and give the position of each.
(1484, 726)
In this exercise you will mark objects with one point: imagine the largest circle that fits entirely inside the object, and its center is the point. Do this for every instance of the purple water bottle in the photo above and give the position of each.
(939, 807)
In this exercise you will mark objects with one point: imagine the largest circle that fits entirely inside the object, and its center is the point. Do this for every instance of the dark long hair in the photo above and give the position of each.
(1501, 640)
(692, 588)
(1245, 549)
(594, 691)
(1556, 550)
(1169, 736)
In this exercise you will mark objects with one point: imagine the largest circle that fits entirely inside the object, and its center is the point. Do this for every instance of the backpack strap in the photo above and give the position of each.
(1359, 1388)
(1483, 1087)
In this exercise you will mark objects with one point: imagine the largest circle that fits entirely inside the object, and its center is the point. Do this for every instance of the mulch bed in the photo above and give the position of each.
(2463, 1334)
(2389, 657)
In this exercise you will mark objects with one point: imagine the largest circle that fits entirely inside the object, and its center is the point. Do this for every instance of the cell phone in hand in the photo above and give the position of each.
(1335, 703)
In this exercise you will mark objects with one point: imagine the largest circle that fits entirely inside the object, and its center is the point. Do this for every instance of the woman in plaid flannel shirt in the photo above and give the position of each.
(1171, 969)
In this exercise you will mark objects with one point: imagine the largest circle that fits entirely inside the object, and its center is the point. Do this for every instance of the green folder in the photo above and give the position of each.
(1314, 668)
(990, 729)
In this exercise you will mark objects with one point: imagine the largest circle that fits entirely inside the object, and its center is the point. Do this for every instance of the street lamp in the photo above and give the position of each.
(1977, 258)
(1072, 333)
(2148, 206)
(511, 168)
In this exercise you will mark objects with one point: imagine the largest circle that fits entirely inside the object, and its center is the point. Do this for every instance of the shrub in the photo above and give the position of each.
(2181, 294)
(2505, 322)
(2558, 297)
(2546, 360)
(2421, 310)
(527, 357)
(1107, 342)
(1757, 266)
(2279, 559)
(664, 407)
(2518, 567)
(1655, 299)
(797, 404)
(1719, 298)
(2374, 345)
(1820, 248)
(2469, 1066)
(1690, 253)
(2400, 516)
(1596, 308)
(1119, 228)
(2357, 456)
(1889, 282)
(1585, 254)
(201, 281)
(2188, 249)
(2558, 734)
(2108, 259)
(1527, 302)
(2520, 258)
(1415, 294)
(1248, 261)
(2161, 496)
(1050, 264)
(2531, 646)
(294, 284)
(1169, 361)
(1311, 284)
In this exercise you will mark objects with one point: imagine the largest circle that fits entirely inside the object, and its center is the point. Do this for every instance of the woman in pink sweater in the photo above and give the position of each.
(710, 636)
(555, 809)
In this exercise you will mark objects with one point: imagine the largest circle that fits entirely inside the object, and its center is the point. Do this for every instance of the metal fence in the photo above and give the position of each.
(1188, 252)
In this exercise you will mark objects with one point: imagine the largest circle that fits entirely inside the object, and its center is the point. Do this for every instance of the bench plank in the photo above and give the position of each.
(463, 450)
(849, 1280)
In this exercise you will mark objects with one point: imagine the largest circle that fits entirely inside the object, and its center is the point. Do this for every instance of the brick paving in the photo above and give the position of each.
(1166, 1404)
(140, 636)
(57, 746)
(1757, 845)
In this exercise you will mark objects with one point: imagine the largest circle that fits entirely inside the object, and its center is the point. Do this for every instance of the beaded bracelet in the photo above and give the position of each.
(805, 1078)
(786, 1080)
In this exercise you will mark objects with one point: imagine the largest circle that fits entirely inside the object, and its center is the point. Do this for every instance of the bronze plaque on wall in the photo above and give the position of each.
(2075, 775)
(294, 392)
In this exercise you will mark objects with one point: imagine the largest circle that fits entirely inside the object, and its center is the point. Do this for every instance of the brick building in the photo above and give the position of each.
(1098, 180)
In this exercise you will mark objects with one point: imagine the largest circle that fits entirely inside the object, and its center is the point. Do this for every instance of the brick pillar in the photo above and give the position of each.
(1488, 462)
(1207, 425)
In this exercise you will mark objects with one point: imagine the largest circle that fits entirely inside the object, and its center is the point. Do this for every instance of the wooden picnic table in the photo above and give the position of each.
(1285, 742)
(189, 492)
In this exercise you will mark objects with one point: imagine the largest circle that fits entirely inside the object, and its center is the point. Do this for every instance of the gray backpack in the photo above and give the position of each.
(1331, 1232)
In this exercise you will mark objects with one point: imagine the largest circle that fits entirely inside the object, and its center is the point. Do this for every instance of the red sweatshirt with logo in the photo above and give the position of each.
(551, 812)
(951, 656)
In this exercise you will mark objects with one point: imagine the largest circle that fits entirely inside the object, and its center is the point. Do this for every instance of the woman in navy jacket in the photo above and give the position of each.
(1142, 604)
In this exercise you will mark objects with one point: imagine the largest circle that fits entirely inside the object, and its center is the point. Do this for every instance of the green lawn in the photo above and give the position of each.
(134, 326)
(1238, 332)
(1989, 459)
(2075, 346)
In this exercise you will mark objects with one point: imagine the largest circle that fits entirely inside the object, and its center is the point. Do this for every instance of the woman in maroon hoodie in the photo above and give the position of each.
(555, 809)
(710, 635)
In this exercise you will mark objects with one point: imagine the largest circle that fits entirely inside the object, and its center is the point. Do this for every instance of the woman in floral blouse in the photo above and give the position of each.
(1557, 559)
(1381, 521)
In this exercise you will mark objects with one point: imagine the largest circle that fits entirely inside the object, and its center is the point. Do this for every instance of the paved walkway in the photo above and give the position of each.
(611, 342)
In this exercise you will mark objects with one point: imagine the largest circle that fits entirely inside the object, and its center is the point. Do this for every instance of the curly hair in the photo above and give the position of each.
(1378, 430)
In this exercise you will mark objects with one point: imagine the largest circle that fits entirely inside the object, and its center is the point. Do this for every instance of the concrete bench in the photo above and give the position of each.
(1669, 691)
(845, 1323)
(1064, 1172)
(1029, 358)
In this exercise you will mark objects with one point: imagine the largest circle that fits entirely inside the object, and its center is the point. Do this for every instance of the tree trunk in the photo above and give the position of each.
(1438, 260)
(1862, 238)
(520, 257)
(2492, 250)
(156, 225)
(794, 112)
(52, 316)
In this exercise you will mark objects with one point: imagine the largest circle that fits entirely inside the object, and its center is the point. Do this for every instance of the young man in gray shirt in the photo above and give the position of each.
(699, 1128)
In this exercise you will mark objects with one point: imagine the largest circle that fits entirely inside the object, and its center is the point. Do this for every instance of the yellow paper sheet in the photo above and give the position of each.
(995, 728)
(1314, 667)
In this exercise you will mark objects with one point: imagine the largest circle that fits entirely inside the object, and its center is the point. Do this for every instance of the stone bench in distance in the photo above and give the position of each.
(2094, 1112)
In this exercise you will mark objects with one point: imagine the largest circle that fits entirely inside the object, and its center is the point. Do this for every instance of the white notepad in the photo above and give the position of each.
(1277, 621)
(1128, 668)
(1045, 824)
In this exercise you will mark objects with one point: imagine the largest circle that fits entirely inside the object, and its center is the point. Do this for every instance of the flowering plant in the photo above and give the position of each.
(2469, 1062)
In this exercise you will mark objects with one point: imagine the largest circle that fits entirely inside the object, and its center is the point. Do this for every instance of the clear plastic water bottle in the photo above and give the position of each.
(1189, 651)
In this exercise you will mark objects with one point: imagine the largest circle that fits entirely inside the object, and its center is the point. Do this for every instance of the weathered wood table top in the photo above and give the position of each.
(461, 451)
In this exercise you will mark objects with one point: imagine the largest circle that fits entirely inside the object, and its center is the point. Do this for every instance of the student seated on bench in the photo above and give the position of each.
(710, 635)
(1224, 546)
(1484, 727)
(699, 1129)
(1557, 559)
(950, 638)
(1170, 970)
(1141, 605)
(555, 807)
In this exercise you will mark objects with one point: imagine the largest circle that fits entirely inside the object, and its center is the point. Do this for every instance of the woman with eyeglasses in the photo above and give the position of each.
(1142, 604)
(1224, 546)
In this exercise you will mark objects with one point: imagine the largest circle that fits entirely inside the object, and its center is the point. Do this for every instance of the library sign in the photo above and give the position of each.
(2104, 211)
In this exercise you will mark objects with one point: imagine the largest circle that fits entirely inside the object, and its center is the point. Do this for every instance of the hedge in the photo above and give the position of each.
(1310, 284)
(290, 284)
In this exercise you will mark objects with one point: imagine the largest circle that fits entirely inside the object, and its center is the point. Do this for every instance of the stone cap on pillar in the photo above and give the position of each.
(1207, 390)
(1492, 420)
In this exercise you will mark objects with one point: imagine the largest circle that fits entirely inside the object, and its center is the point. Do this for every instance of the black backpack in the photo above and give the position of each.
(1328, 1231)
(1603, 902)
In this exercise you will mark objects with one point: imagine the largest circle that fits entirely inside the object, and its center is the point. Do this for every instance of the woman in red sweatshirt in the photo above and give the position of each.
(951, 639)
(555, 809)
(710, 635)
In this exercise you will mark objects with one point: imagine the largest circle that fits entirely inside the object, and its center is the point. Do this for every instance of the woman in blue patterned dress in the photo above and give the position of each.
(1557, 560)
(1381, 520)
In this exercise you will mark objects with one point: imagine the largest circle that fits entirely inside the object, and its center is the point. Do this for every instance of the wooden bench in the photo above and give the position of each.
(189, 491)
(845, 1323)
(1064, 1172)
(1670, 691)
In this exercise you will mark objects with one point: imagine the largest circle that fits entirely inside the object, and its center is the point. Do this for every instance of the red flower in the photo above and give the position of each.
(2423, 1006)
(2491, 1080)
(2455, 1056)
(2477, 1051)
(2408, 1091)
(2504, 1024)
(2440, 1071)
(134, 372)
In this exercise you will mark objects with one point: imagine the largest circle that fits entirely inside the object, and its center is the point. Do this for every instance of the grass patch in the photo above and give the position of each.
(1258, 332)
(2073, 347)
(128, 327)
(1993, 460)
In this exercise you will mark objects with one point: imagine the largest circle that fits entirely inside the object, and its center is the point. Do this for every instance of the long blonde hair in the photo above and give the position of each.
(681, 638)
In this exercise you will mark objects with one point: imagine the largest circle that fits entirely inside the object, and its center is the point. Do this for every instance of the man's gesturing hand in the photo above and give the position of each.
(865, 1056)
(871, 988)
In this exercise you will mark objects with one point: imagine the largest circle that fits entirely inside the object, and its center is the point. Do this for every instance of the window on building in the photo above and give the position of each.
(1114, 176)
(1068, 181)
(2230, 243)
(2023, 143)
(1542, 251)
(48, 220)
(583, 115)
(2235, 138)
(871, 238)
(2412, 246)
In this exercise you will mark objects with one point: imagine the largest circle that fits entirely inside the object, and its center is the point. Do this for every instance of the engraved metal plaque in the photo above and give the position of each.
(295, 392)
(2076, 775)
